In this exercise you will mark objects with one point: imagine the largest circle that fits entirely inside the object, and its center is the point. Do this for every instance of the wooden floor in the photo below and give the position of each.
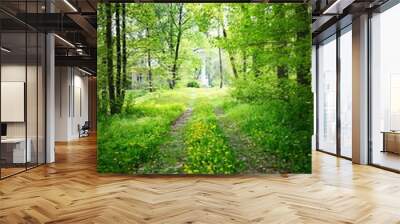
(5, 172)
(70, 191)
(386, 159)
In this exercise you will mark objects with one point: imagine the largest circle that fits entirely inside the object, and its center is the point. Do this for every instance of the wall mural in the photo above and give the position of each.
(204, 88)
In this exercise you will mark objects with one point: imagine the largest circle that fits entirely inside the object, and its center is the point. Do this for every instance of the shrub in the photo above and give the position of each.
(193, 84)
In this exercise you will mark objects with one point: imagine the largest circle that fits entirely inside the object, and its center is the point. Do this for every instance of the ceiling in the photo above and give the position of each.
(330, 15)
(73, 21)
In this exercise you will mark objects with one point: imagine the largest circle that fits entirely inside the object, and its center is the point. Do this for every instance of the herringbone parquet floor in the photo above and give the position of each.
(70, 191)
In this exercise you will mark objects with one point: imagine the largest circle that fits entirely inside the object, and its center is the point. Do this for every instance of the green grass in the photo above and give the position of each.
(127, 142)
(276, 114)
(130, 142)
(139, 140)
(206, 146)
(285, 148)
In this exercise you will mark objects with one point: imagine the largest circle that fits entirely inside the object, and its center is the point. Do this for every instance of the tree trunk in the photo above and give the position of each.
(150, 74)
(231, 56)
(303, 50)
(197, 73)
(255, 65)
(221, 83)
(207, 71)
(178, 42)
(171, 40)
(118, 48)
(244, 70)
(282, 52)
(102, 79)
(124, 84)
(109, 46)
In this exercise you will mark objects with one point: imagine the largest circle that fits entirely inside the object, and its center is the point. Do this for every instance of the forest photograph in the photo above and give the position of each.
(216, 88)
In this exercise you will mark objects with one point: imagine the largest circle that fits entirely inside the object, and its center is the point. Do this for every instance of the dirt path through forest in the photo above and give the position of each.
(173, 149)
(254, 159)
(181, 121)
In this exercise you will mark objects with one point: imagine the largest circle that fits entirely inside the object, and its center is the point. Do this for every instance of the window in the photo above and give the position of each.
(327, 95)
(385, 89)
(22, 88)
(346, 92)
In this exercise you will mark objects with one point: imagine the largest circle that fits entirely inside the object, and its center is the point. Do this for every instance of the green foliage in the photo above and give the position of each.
(128, 141)
(193, 84)
(206, 146)
(277, 115)
(132, 95)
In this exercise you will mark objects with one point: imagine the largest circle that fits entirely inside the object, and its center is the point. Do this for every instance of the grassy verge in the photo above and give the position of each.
(128, 141)
(284, 147)
(206, 147)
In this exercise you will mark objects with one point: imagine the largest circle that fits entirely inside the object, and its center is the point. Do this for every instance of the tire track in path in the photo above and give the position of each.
(172, 154)
(253, 157)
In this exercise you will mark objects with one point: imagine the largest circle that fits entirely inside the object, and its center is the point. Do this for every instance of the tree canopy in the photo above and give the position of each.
(171, 45)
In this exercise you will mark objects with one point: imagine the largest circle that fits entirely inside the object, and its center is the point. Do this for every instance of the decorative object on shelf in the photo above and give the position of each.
(391, 141)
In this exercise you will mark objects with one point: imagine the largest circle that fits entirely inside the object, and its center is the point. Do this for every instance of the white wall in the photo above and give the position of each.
(71, 102)
(9, 73)
(314, 90)
(33, 126)
(17, 73)
(81, 88)
(62, 82)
